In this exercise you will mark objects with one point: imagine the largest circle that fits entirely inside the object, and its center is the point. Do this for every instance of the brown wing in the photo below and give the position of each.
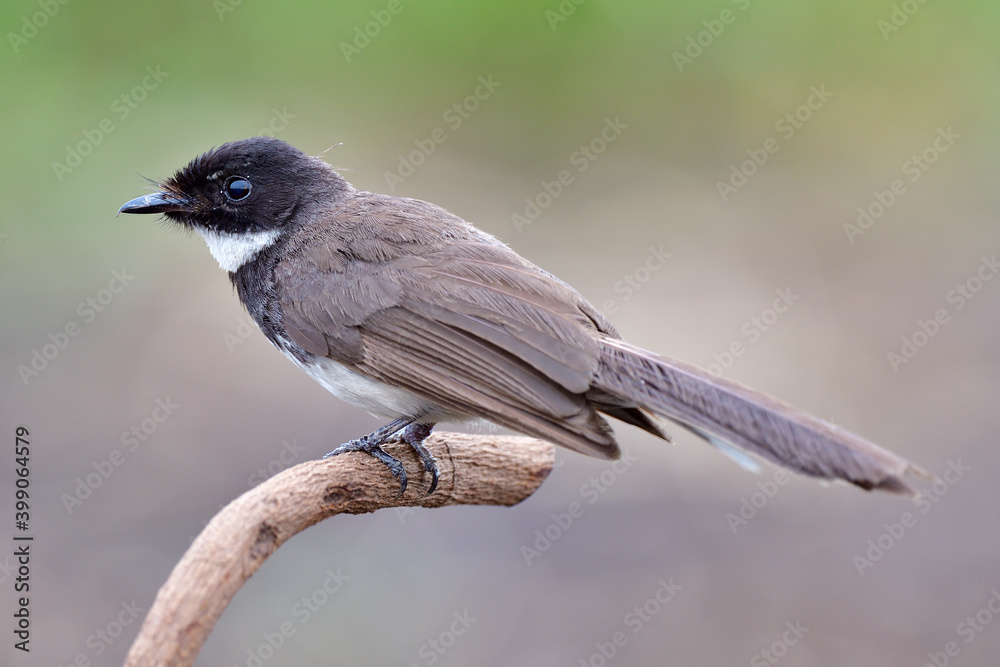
(403, 292)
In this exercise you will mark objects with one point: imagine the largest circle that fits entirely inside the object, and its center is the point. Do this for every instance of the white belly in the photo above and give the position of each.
(375, 397)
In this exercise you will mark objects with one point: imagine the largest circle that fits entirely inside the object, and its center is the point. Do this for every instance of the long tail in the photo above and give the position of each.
(717, 408)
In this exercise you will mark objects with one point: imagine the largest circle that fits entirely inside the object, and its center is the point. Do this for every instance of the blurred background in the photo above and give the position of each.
(801, 196)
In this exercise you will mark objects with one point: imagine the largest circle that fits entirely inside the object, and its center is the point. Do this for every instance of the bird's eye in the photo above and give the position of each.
(237, 188)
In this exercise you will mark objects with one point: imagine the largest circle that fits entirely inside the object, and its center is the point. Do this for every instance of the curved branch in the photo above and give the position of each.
(475, 470)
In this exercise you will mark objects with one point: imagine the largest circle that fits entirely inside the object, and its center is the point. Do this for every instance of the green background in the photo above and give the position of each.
(170, 332)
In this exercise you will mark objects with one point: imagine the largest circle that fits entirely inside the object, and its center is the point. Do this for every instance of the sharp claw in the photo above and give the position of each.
(430, 465)
(414, 435)
(402, 481)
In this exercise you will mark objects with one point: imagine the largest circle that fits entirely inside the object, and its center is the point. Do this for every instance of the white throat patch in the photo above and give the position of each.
(232, 251)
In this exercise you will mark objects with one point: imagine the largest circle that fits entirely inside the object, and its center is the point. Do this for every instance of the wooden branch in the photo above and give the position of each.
(475, 470)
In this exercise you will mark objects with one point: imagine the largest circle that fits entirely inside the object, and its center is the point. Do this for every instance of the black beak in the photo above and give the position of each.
(158, 202)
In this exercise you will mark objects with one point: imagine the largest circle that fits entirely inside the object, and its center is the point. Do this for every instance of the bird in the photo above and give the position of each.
(409, 312)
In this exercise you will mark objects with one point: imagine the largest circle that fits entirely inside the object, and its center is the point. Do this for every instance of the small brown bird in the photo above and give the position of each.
(411, 313)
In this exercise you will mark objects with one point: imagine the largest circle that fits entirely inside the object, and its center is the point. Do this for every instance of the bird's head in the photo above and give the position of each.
(242, 195)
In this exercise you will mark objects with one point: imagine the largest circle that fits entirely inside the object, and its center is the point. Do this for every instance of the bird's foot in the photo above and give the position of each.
(412, 433)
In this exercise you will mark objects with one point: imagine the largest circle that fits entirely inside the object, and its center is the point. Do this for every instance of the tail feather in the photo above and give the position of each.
(738, 456)
(715, 407)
